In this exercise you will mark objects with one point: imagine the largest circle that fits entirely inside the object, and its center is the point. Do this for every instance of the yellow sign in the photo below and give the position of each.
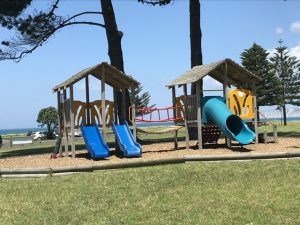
(241, 103)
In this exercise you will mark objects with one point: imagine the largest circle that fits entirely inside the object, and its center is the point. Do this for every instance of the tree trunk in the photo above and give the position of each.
(195, 37)
(284, 115)
(114, 38)
(196, 50)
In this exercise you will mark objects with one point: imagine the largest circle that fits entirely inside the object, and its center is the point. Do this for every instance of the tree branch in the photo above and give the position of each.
(83, 13)
(47, 36)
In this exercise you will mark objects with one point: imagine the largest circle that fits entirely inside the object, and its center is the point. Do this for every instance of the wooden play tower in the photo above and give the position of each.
(73, 113)
(228, 73)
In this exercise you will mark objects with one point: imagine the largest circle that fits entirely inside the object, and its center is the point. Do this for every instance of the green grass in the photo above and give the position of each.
(258, 192)
(291, 130)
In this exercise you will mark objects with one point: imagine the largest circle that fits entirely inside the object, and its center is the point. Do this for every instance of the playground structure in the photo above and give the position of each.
(211, 115)
(88, 115)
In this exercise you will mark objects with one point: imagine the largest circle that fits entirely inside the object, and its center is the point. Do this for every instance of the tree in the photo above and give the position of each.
(195, 42)
(287, 70)
(142, 100)
(255, 59)
(48, 117)
(34, 30)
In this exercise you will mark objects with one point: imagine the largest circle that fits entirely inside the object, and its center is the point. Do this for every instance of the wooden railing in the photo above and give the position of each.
(273, 125)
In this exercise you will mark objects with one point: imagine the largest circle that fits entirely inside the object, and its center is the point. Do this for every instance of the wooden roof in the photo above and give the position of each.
(236, 74)
(113, 77)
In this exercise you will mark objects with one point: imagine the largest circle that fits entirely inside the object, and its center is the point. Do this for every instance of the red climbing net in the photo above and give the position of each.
(147, 115)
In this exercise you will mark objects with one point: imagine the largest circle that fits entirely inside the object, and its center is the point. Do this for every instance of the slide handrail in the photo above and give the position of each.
(265, 117)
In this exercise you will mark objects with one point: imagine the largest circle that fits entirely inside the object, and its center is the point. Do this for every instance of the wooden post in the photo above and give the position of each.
(10, 141)
(176, 139)
(133, 112)
(115, 107)
(65, 125)
(87, 94)
(225, 93)
(255, 111)
(59, 119)
(199, 117)
(185, 89)
(72, 122)
(124, 103)
(275, 133)
(174, 101)
(103, 114)
(187, 136)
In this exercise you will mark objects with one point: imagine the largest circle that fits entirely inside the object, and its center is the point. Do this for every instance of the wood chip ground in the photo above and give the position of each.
(152, 151)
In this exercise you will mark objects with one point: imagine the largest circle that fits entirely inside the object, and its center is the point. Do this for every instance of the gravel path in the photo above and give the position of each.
(152, 151)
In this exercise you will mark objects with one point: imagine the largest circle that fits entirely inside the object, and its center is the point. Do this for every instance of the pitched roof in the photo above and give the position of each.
(113, 77)
(236, 74)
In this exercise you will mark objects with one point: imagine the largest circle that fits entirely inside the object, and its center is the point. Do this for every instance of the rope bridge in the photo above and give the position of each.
(162, 115)
(152, 112)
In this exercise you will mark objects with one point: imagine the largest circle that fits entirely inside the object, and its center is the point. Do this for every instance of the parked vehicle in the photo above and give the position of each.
(77, 133)
(39, 135)
(29, 133)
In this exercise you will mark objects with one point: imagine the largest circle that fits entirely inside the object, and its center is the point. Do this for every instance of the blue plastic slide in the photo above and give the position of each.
(216, 111)
(128, 145)
(94, 142)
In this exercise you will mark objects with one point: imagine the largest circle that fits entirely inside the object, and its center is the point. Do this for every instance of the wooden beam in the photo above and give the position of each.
(72, 121)
(103, 113)
(199, 116)
(60, 114)
(225, 93)
(124, 103)
(255, 111)
(87, 95)
(133, 112)
(65, 125)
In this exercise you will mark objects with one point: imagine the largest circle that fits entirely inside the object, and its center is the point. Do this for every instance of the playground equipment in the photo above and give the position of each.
(126, 141)
(74, 113)
(216, 112)
(209, 116)
(157, 115)
(241, 103)
(94, 142)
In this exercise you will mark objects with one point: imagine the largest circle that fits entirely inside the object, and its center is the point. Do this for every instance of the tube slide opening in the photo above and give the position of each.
(238, 128)
(234, 124)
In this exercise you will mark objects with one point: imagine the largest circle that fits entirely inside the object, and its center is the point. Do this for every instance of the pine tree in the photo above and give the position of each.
(255, 59)
(287, 70)
(142, 100)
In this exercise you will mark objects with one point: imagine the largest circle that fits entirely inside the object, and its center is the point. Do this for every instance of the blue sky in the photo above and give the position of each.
(155, 46)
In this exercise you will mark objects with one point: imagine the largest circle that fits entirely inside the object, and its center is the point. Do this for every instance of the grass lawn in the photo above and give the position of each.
(291, 130)
(257, 192)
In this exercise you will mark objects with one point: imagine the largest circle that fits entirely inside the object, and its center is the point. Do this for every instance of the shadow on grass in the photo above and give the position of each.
(25, 152)
(292, 134)
(31, 151)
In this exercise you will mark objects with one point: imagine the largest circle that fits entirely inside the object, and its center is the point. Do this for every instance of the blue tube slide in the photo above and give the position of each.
(215, 111)
(94, 142)
(128, 145)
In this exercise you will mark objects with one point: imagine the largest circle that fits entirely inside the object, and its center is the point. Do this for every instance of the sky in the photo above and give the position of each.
(155, 48)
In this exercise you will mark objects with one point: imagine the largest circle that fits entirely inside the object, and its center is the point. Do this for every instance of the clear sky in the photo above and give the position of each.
(155, 46)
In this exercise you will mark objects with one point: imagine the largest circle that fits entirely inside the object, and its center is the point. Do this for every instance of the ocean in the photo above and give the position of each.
(19, 131)
(25, 130)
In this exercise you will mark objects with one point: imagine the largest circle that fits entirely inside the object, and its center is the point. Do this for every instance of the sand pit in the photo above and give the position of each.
(151, 151)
